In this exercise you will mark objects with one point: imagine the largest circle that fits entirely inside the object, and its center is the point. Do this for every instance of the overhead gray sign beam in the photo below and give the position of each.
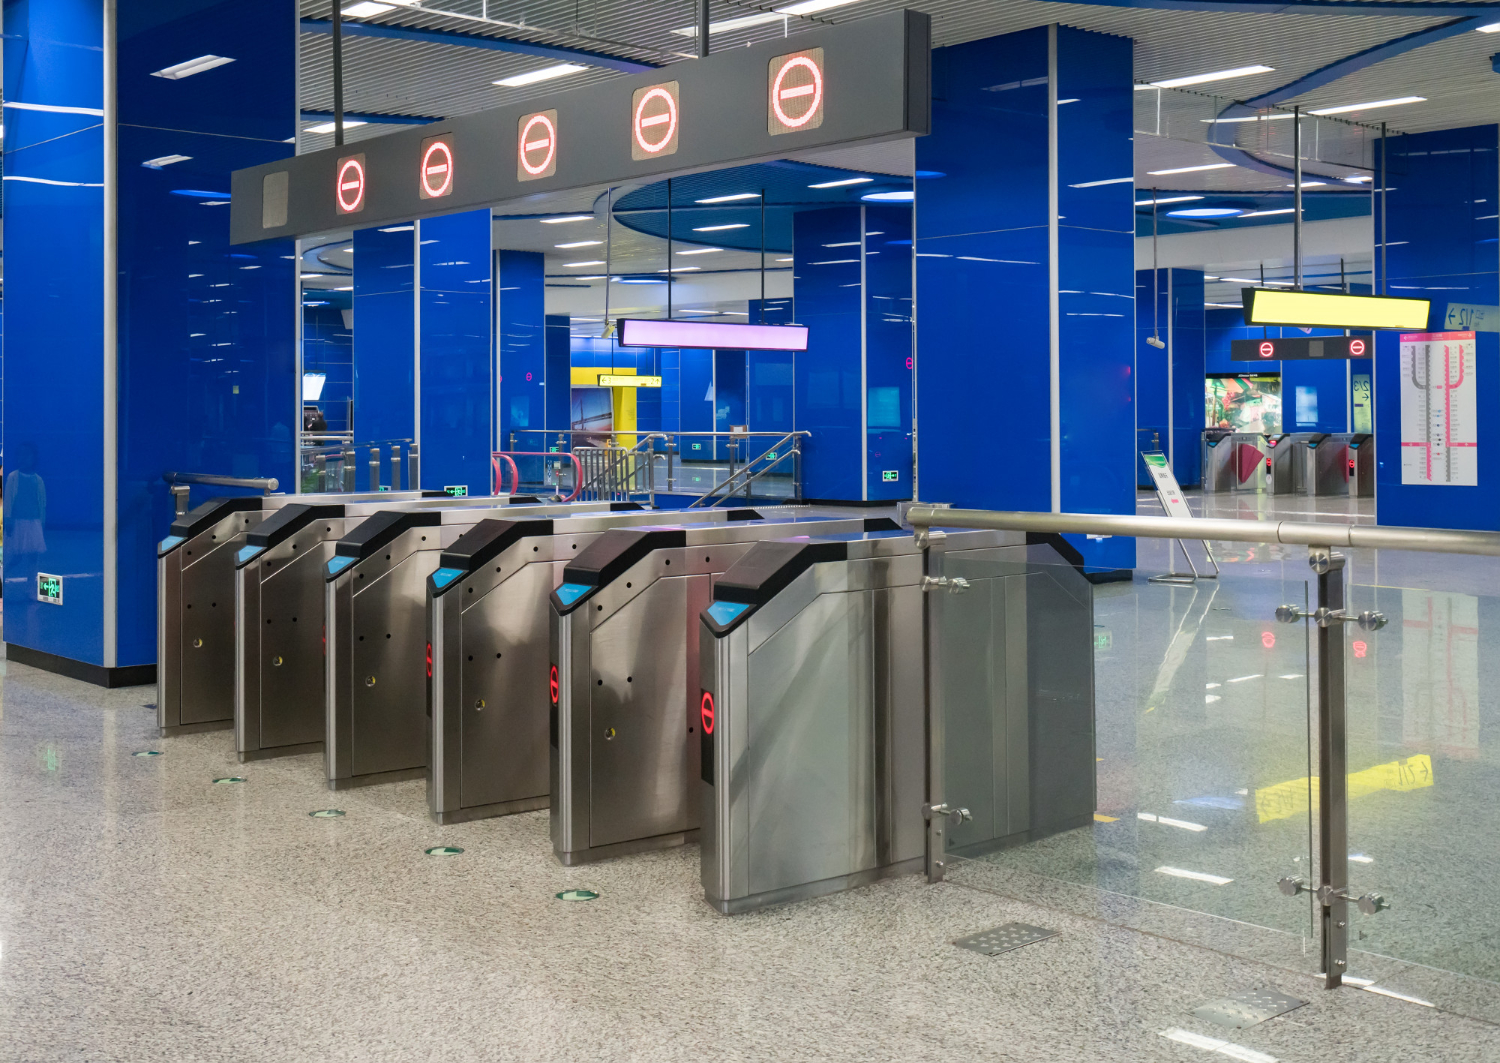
(862, 81)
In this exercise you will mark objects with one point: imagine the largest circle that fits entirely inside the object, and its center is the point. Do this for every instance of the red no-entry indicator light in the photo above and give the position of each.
(1356, 348)
(536, 145)
(349, 185)
(435, 176)
(654, 121)
(1267, 349)
(706, 712)
(552, 684)
(796, 92)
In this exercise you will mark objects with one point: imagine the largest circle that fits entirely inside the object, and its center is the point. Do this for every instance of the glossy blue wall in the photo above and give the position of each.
(1443, 243)
(385, 328)
(1172, 398)
(205, 338)
(458, 395)
(984, 289)
(522, 339)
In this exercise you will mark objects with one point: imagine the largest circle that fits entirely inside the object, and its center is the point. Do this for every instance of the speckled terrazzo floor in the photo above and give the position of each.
(148, 914)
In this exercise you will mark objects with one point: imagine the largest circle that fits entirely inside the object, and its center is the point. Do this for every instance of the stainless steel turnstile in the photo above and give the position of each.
(1325, 469)
(1281, 464)
(624, 642)
(1218, 461)
(195, 605)
(375, 612)
(1248, 461)
(839, 710)
(278, 638)
(488, 620)
(1362, 465)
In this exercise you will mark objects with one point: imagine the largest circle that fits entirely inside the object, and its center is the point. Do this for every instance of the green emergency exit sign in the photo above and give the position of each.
(49, 588)
(890, 476)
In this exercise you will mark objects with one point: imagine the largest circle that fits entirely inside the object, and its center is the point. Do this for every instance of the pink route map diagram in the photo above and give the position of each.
(1439, 437)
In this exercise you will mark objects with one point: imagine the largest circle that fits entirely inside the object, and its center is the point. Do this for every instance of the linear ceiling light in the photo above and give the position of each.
(366, 8)
(546, 73)
(720, 228)
(1246, 118)
(1165, 199)
(1398, 101)
(1192, 169)
(1493, 27)
(328, 127)
(164, 160)
(595, 262)
(802, 7)
(731, 199)
(1264, 213)
(566, 217)
(178, 71)
(701, 251)
(579, 243)
(1217, 75)
(845, 181)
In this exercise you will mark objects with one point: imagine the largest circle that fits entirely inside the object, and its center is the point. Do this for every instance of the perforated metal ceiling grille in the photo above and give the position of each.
(412, 78)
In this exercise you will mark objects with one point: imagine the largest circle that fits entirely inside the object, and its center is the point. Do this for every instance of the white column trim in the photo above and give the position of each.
(1054, 311)
(1171, 380)
(416, 337)
(864, 373)
(111, 351)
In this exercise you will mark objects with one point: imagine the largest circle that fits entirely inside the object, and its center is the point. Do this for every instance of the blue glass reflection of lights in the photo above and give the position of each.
(444, 576)
(903, 196)
(569, 593)
(1206, 212)
(198, 193)
(726, 613)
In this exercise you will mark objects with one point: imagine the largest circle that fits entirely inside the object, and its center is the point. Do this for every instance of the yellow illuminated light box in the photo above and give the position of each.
(1279, 306)
(608, 380)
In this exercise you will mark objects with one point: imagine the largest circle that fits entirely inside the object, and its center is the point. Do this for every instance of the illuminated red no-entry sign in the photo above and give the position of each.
(349, 185)
(1356, 348)
(536, 145)
(706, 712)
(552, 686)
(654, 121)
(1267, 349)
(796, 92)
(435, 175)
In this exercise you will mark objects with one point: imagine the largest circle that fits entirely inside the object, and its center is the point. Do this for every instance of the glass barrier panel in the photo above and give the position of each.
(1196, 792)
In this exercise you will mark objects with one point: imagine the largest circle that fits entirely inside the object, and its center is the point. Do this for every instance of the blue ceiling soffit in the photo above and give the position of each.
(1309, 7)
(494, 44)
(371, 118)
(1327, 75)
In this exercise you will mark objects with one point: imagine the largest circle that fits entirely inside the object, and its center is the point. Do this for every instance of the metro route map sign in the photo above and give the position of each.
(860, 82)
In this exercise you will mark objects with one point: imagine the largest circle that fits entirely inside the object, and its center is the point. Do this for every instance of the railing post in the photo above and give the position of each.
(932, 543)
(413, 469)
(374, 468)
(1333, 768)
(320, 472)
(395, 466)
(346, 469)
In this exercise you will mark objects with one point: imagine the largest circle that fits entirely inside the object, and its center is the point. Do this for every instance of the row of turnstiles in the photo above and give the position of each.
(1318, 464)
(764, 681)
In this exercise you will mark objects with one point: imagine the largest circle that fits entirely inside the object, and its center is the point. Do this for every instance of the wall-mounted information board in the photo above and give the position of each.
(859, 82)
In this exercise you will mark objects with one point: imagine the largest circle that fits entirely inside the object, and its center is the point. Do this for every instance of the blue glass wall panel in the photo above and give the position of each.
(385, 330)
(828, 379)
(558, 378)
(888, 350)
(696, 402)
(521, 343)
(328, 348)
(457, 394)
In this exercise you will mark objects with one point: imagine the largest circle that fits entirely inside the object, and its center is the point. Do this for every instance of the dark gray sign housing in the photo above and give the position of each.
(862, 81)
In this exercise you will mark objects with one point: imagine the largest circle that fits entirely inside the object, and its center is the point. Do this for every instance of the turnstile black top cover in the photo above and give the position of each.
(382, 528)
(616, 550)
(1359, 439)
(768, 567)
(488, 539)
(205, 515)
(288, 521)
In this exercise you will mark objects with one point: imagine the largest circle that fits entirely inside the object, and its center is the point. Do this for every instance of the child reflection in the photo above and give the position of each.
(25, 521)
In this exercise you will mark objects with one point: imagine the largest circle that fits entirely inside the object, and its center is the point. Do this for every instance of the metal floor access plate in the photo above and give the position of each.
(1248, 1008)
(1004, 938)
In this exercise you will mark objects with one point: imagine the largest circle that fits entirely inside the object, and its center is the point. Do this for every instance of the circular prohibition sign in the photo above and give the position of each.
(351, 185)
(437, 165)
(1267, 349)
(533, 140)
(1357, 348)
(644, 121)
(781, 95)
(706, 712)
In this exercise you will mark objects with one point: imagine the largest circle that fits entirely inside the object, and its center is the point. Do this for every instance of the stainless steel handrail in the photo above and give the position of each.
(255, 483)
(1219, 529)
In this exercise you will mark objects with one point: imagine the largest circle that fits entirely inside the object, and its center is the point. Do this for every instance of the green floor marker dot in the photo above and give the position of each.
(228, 779)
(444, 850)
(578, 895)
(327, 813)
(147, 753)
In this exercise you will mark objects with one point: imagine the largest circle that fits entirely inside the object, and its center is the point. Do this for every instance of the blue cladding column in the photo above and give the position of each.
(853, 385)
(140, 341)
(385, 329)
(524, 345)
(456, 428)
(1442, 242)
(1169, 381)
(558, 379)
(1025, 280)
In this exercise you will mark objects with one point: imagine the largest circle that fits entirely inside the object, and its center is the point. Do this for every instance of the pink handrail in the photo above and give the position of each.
(515, 475)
